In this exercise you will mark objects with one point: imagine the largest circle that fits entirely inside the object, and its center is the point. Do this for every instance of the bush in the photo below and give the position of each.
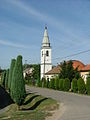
(3, 76)
(43, 82)
(52, 83)
(18, 92)
(74, 85)
(57, 83)
(39, 83)
(81, 86)
(88, 85)
(47, 83)
(10, 73)
(66, 84)
(6, 78)
(61, 84)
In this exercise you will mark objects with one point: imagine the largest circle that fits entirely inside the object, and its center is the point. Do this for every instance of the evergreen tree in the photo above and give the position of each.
(6, 78)
(3, 76)
(10, 73)
(81, 86)
(66, 84)
(63, 70)
(57, 83)
(74, 85)
(88, 85)
(47, 83)
(18, 92)
(52, 83)
(67, 71)
(61, 84)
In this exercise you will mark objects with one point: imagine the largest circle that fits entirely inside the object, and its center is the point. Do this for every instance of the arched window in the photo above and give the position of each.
(42, 53)
(47, 53)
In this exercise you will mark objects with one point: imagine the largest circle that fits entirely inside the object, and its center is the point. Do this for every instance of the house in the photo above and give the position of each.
(28, 71)
(84, 70)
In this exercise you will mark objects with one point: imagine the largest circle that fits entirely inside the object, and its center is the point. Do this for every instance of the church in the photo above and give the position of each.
(46, 61)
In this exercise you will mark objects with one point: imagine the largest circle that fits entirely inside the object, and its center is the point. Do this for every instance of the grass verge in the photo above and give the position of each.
(35, 107)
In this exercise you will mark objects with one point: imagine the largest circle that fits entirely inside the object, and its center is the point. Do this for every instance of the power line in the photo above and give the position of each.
(71, 55)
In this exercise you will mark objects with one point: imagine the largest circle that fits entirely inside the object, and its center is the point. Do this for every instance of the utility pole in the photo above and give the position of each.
(44, 65)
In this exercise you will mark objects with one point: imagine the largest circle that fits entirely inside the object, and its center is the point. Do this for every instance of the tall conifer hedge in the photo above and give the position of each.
(10, 73)
(81, 86)
(88, 85)
(18, 84)
(74, 85)
(66, 84)
(6, 78)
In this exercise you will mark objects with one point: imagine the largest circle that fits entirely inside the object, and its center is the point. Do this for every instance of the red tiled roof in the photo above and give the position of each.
(86, 68)
(76, 63)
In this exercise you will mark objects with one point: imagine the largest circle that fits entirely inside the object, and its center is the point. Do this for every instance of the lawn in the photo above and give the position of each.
(35, 107)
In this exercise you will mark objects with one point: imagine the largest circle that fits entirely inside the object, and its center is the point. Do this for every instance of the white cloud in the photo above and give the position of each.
(11, 44)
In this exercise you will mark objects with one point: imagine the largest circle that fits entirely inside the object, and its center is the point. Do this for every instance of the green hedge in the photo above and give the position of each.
(61, 84)
(66, 84)
(88, 85)
(74, 85)
(81, 86)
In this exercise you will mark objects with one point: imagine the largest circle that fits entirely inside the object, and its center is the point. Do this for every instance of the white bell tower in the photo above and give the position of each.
(46, 63)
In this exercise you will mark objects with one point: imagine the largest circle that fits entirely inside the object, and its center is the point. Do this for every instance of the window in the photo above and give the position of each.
(42, 53)
(47, 53)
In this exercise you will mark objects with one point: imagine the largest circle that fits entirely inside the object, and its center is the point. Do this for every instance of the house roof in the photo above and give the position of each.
(86, 68)
(55, 70)
(76, 63)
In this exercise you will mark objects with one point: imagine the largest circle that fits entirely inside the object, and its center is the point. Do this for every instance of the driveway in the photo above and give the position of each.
(76, 107)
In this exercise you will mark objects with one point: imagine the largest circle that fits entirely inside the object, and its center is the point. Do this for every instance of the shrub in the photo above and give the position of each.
(47, 83)
(61, 84)
(66, 84)
(6, 78)
(39, 83)
(52, 83)
(10, 73)
(81, 86)
(43, 82)
(74, 85)
(18, 92)
(3, 76)
(57, 83)
(88, 85)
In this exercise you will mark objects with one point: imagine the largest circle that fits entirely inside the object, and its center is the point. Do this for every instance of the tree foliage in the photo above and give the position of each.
(66, 84)
(11, 72)
(67, 71)
(36, 71)
(81, 86)
(61, 84)
(57, 83)
(6, 78)
(52, 83)
(88, 85)
(3, 76)
(74, 85)
(18, 85)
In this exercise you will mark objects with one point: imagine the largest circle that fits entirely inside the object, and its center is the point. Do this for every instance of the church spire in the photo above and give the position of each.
(46, 42)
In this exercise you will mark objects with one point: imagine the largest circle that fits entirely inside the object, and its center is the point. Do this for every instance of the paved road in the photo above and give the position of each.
(77, 107)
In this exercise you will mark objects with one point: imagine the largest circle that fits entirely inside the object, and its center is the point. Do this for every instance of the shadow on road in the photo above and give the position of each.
(5, 98)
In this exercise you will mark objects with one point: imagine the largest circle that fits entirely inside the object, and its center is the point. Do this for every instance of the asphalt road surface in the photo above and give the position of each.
(76, 107)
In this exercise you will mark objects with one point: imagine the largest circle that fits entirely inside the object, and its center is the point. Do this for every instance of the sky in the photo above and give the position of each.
(22, 24)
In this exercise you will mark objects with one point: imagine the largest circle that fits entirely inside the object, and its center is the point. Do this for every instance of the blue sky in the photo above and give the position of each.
(22, 25)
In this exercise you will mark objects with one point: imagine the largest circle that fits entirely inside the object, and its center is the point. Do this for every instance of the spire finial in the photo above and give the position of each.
(45, 26)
